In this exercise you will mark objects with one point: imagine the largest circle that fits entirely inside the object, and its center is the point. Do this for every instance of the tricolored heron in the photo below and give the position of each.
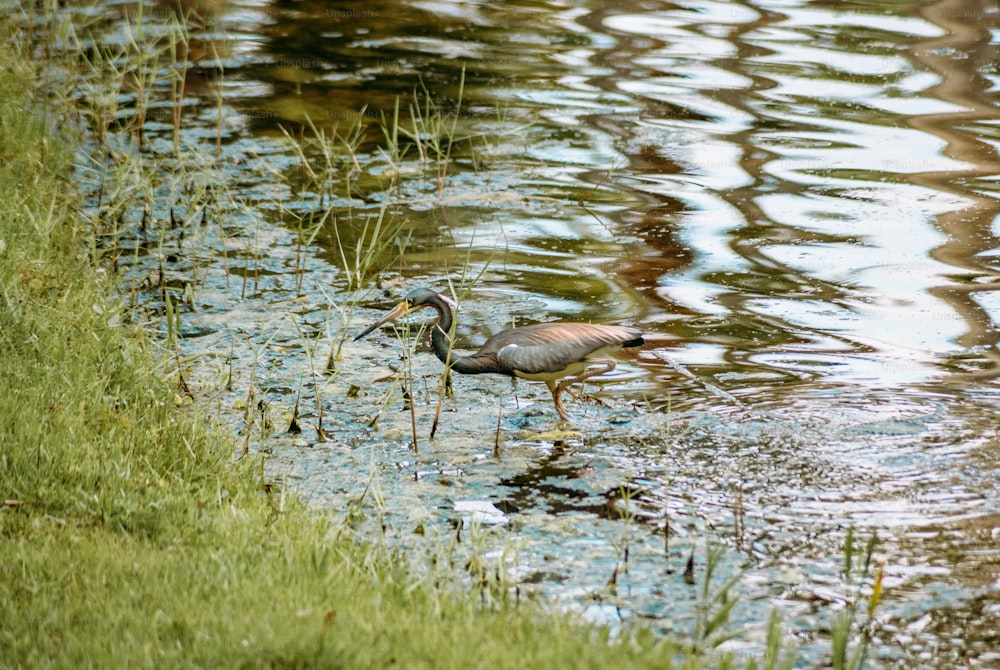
(558, 354)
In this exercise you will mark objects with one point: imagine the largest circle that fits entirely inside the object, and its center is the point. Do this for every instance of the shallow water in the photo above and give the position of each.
(795, 200)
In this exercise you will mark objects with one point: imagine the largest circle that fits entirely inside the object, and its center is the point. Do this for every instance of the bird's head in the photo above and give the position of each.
(414, 300)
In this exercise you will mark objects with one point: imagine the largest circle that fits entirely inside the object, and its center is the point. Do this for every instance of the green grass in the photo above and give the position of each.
(128, 535)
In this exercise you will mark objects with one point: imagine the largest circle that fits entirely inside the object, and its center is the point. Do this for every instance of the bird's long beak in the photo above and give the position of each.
(397, 311)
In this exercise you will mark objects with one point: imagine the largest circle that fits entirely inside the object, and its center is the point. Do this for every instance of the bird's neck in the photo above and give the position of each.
(441, 343)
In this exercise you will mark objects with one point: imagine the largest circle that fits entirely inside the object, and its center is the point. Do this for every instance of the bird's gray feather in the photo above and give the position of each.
(551, 347)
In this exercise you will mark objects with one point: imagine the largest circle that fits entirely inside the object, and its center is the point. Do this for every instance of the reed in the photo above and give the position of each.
(433, 131)
(715, 603)
(857, 566)
(361, 261)
(310, 346)
(177, 47)
(626, 515)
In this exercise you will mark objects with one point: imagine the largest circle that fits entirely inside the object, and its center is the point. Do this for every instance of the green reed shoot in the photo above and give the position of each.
(714, 604)
(337, 157)
(178, 39)
(433, 131)
(374, 239)
(390, 133)
(102, 90)
(310, 345)
(626, 515)
(844, 622)
(173, 322)
(361, 261)
(466, 284)
(407, 344)
(143, 65)
(776, 657)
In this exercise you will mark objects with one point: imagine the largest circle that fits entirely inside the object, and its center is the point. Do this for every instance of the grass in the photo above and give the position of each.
(129, 535)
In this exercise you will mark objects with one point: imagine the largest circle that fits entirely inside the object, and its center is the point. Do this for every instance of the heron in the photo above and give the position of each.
(558, 354)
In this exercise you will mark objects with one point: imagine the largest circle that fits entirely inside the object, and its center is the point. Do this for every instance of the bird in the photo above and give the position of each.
(559, 354)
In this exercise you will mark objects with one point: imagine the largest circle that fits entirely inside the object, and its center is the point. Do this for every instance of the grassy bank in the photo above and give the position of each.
(128, 535)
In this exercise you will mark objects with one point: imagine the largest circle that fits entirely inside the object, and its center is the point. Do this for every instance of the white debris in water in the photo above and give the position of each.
(480, 511)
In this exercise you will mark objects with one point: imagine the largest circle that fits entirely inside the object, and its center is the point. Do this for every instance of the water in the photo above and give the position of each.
(795, 200)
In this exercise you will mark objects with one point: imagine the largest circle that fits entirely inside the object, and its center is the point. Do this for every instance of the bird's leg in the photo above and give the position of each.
(556, 390)
(604, 367)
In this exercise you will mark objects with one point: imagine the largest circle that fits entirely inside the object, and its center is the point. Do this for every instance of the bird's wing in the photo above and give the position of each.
(551, 347)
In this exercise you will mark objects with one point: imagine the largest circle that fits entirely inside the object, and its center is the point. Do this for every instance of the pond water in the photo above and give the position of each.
(795, 200)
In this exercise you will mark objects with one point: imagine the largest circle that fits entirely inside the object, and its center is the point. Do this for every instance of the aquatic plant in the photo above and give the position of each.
(846, 621)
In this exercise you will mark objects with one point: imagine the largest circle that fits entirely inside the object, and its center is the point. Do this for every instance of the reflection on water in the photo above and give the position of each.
(797, 201)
